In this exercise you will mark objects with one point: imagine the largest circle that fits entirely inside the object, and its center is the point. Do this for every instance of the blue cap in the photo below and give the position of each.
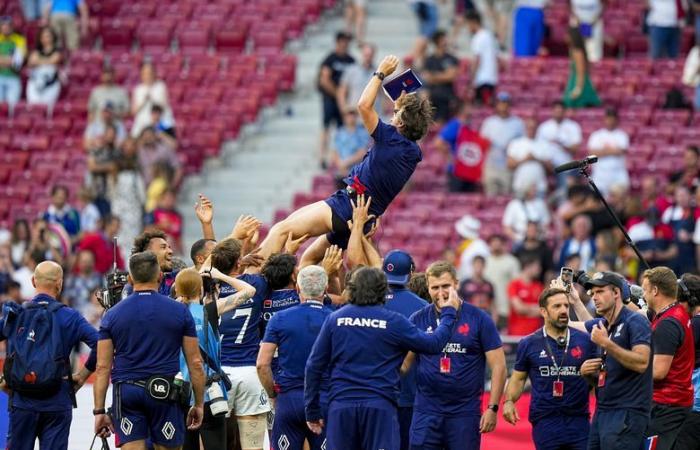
(398, 266)
(503, 97)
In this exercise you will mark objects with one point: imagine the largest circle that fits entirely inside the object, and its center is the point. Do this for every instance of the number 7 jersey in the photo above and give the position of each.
(240, 327)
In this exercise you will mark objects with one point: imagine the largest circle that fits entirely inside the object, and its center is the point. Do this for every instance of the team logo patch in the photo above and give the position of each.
(576, 352)
(267, 304)
(126, 426)
(283, 442)
(543, 354)
(159, 388)
(390, 267)
(168, 430)
(323, 446)
(463, 329)
(263, 398)
(31, 335)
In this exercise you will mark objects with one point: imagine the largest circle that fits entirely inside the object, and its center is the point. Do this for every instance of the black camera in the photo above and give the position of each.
(581, 277)
(112, 294)
(210, 285)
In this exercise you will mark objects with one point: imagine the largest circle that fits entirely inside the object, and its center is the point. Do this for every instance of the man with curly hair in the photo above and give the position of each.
(156, 241)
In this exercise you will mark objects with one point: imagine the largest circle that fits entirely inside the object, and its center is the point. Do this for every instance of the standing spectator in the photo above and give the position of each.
(351, 143)
(428, 18)
(689, 174)
(150, 91)
(89, 212)
(13, 50)
(32, 9)
(477, 291)
(534, 246)
(355, 78)
(610, 144)
(82, 281)
(95, 135)
(127, 195)
(484, 67)
(500, 128)
(579, 91)
(471, 247)
(681, 217)
(581, 243)
(439, 72)
(100, 243)
(654, 239)
(167, 219)
(523, 294)
(44, 85)
(589, 15)
(691, 69)
(564, 134)
(356, 18)
(501, 268)
(62, 15)
(153, 149)
(528, 27)
(330, 74)
(101, 163)
(529, 159)
(19, 241)
(108, 93)
(523, 210)
(664, 20)
(61, 212)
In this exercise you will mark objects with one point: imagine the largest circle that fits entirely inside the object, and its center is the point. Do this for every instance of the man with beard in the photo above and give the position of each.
(157, 242)
(552, 357)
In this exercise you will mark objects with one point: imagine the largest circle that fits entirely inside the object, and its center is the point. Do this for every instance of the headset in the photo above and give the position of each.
(687, 293)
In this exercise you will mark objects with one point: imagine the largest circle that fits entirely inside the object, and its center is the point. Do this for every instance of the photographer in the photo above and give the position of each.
(689, 294)
(190, 290)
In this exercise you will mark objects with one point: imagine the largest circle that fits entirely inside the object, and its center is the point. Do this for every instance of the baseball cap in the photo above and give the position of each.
(606, 279)
(503, 97)
(397, 267)
(468, 227)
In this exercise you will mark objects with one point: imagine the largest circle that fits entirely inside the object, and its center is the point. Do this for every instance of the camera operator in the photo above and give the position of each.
(156, 241)
(190, 290)
(689, 293)
(674, 356)
(140, 342)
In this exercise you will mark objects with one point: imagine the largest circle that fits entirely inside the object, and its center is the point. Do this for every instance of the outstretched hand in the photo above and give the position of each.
(204, 209)
(360, 212)
(388, 65)
(292, 245)
(245, 227)
(332, 260)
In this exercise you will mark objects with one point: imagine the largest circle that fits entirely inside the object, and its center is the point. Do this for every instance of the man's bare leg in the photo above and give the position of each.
(314, 219)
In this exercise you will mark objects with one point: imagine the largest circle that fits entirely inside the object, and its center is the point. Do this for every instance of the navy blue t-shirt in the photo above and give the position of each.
(240, 327)
(165, 287)
(458, 392)
(363, 347)
(534, 358)
(277, 301)
(625, 388)
(387, 166)
(146, 329)
(401, 300)
(294, 331)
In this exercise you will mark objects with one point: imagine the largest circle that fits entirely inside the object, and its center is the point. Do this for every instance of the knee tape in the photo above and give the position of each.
(252, 431)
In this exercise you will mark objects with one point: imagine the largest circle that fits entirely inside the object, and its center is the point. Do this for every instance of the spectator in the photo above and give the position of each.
(500, 128)
(477, 291)
(23, 275)
(529, 159)
(20, 241)
(501, 13)
(664, 19)
(6, 269)
(81, 282)
(610, 144)
(579, 91)
(650, 195)
(330, 74)
(167, 219)
(428, 18)
(564, 134)
(101, 163)
(13, 50)
(61, 212)
(534, 246)
(355, 78)
(523, 210)
(689, 175)
(94, 310)
(44, 85)
(581, 243)
(681, 217)
(351, 143)
(484, 67)
(101, 244)
(439, 73)
(127, 195)
(654, 239)
(150, 91)
(528, 27)
(356, 18)
(153, 149)
(89, 212)
(691, 69)
(162, 181)
(589, 15)
(501, 268)
(164, 128)
(62, 15)
(108, 93)
(523, 294)
(32, 9)
(95, 135)
(472, 245)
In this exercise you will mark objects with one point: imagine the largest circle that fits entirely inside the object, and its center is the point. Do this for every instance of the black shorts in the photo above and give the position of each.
(666, 422)
(331, 113)
(689, 436)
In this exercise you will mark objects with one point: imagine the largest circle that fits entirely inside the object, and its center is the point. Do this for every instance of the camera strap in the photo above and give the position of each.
(208, 360)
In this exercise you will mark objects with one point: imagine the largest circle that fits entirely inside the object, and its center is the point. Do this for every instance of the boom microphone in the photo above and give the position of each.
(585, 162)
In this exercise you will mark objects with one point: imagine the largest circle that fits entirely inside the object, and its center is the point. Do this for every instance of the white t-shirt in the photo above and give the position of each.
(529, 172)
(476, 248)
(587, 10)
(485, 47)
(610, 170)
(519, 212)
(500, 132)
(562, 134)
(662, 13)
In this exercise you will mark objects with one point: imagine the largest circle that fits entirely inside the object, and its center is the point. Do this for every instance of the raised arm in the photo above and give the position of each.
(365, 106)
(360, 216)
(244, 291)
(636, 359)
(204, 209)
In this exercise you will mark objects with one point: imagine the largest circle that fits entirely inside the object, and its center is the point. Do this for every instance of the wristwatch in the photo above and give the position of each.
(97, 412)
(379, 75)
(493, 408)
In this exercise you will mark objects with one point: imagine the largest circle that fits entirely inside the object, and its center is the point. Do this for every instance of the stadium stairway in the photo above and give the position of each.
(275, 157)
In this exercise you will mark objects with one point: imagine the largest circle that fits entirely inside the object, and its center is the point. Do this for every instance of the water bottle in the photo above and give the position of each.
(178, 381)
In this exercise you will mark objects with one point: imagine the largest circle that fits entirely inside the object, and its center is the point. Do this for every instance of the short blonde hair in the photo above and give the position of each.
(188, 284)
(664, 279)
(438, 268)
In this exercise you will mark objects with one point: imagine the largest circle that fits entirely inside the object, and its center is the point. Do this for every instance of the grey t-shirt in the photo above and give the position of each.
(500, 131)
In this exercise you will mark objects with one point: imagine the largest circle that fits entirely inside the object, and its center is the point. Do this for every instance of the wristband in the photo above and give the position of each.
(98, 412)
(493, 408)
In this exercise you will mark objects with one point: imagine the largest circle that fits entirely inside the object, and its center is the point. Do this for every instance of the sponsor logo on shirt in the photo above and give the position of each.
(361, 322)
(429, 330)
(543, 354)
(551, 371)
(453, 347)
(618, 330)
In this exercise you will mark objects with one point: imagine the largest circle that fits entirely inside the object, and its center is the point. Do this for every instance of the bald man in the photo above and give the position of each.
(46, 416)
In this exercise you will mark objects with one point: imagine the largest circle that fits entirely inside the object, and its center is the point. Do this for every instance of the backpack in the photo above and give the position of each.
(36, 364)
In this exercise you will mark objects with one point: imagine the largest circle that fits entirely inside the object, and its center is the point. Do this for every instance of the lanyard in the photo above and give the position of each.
(661, 313)
(551, 353)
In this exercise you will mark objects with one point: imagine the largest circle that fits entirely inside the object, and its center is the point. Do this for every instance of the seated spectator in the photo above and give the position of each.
(689, 175)
(484, 67)
(152, 149)
(101, 245)
(610, 144)
(96, 131)
(534, 246)
(529, 159)
(664, 20)
(164, 127)
(566, 137)
(528, 27)
(500, 128)
(581, 243)
(501, 268)
(150, 91)
(108, 93)
(351, 143)
(651, 196)
(579, 92)
(82, 281)
(89, 212)
(589, 15)
(63, 17)
(162, 181)
(127, 195)
(102, 163)
(44, 84)
(477, 291)
(681, 216)
(13, 50)
(521, 211)
(523, 294)
(62, 213)
(439, 73)
(654, 239)
(20, 241)
(167, 219)
(691, 69)
(471, 246)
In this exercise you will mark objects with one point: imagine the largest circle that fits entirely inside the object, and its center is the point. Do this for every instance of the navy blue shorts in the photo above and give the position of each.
(618, 429)
(341, 208)
(51, 428)
(433, 431)
(138, 416)
(290, 430)
(405, 419)
(561, 432)
(368, 425)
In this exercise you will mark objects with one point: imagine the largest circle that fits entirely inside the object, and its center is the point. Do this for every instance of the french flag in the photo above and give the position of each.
(651, 442)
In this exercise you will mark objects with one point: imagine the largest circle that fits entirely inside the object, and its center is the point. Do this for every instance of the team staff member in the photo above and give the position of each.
(674, 356)
(292, 333)
(140, 339)
(552, 357)
(48, 419)
(156, 241)
(622, 373)
(447, 411)
(398, 267)
(362, 345)
(689, 436)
